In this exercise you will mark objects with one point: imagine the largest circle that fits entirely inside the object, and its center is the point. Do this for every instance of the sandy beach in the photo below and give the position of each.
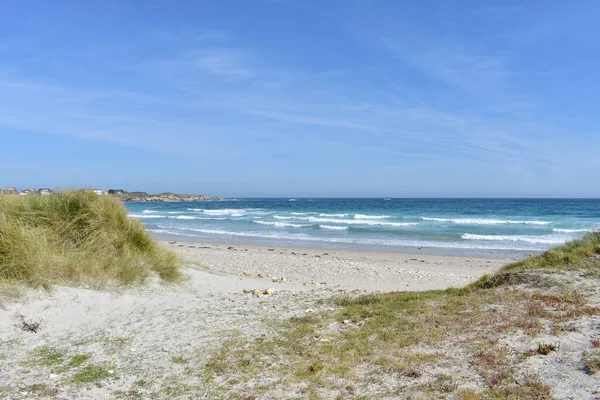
(153, 341)
(340, 269)
(132, 331)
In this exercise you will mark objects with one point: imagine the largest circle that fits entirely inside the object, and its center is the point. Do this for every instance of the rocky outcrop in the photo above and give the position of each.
(140, 197)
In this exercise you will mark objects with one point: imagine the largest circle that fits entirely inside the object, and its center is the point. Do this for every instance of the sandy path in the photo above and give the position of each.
(136, 332)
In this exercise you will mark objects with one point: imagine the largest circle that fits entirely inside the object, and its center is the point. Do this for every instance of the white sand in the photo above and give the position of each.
(136, 332)
(347, 269)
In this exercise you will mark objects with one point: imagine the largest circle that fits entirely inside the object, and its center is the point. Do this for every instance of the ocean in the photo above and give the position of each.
(490, 227)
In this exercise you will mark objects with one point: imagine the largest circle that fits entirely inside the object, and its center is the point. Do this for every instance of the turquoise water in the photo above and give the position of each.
(452, 226)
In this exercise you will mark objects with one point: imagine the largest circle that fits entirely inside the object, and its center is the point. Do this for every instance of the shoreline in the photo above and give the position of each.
(347, 269)
(503, 254)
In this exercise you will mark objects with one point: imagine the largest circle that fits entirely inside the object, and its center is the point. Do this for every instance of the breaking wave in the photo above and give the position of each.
(363, 216)
(334, 228)
(518, 238)
(483, 221)
(281, 224)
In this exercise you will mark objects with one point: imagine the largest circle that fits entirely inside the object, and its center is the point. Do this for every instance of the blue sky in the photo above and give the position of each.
(302, 97)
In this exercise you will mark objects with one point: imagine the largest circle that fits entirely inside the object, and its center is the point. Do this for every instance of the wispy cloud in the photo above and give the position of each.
(449, 63)
(227, 63)
(207, 93)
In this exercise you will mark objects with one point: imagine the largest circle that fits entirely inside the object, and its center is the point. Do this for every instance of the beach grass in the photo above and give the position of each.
(413, 343)
(76, 237)
(581, 254)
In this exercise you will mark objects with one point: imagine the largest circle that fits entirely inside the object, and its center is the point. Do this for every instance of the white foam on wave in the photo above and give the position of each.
(146, 216)
(281, 224)
(363, 216)
(302, 213)
(224, 212)
(333, 215)
(334, 228)
(149, 212)
(345, 240)
(483, 221)
(189, 217)
(518, 238)
(561, 230)
(281, 217)
(168, 232)
(360, 222)
(235, 212)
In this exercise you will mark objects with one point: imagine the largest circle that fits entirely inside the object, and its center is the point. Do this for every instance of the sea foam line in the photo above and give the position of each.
(518, 238)
(281, 224)
(360, 222)
(561, 230)
(483, 221)
(186, 217)
(146, 216)
(363, 216)
(375, 242)
(235, 212)
(334, 228)
(282, 217)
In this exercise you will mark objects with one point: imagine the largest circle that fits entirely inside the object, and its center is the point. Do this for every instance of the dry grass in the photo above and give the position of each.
(591, 361)
(404, 337)
(76, 237)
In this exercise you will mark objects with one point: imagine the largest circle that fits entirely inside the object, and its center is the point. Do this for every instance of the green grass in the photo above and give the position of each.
(385, 334)
(93, 373)
(179, 359)
(575, 255)
(47, 357)
(78, 360)
(76, 237)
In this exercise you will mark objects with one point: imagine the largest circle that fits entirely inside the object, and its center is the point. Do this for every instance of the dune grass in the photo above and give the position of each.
(76, 237)
(410, 343)
(575, 255)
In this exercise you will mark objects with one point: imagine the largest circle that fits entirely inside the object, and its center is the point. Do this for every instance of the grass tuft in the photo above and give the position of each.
(93, 373)
(47, 356)
(575, 255)
(591, 361)
(76, 237)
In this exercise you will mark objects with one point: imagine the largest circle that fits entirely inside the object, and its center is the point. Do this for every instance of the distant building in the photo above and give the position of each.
(116, 191)
(27, 192)
(99, 192)
(45, 191)
(10, 190)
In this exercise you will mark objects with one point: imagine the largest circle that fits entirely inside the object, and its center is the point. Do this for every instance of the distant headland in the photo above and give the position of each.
(123, 195)
(141, 197)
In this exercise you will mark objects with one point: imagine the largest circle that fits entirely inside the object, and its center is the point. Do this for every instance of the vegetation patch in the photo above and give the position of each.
(179, 359)
(47, 357)
(78, 360)
(543, 349)
(40, 389)
(93, 373)
(76, 237)
(591, 361)
(409, 342)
